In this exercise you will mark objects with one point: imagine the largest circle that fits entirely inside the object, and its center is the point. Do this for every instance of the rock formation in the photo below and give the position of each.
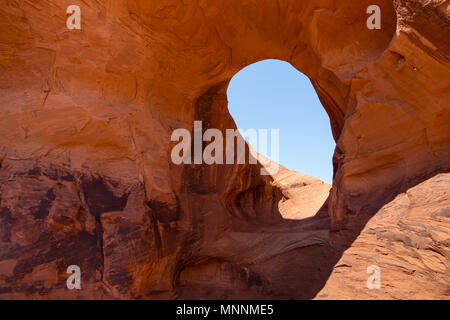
(85, 171)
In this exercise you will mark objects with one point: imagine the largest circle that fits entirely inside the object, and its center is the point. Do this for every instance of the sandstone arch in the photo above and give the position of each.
(87, 116)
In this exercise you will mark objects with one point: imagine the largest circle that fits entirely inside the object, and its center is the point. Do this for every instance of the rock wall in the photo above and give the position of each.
(87, 116)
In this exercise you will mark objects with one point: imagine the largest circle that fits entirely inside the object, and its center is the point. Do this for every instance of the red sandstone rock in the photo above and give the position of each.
(408, 239)
(86, 176)
(303, 195)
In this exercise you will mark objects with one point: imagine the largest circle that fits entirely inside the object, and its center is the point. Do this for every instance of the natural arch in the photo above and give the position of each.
(273, 103)
(273, 95)
(85, 132)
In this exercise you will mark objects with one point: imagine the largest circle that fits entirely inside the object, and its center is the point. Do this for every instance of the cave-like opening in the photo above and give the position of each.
(272, 94)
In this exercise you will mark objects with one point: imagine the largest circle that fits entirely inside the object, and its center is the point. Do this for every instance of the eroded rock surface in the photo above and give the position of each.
(408, 239)
(85, 170)
(303, 195)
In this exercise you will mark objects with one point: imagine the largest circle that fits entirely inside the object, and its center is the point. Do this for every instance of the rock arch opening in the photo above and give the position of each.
(279, 103)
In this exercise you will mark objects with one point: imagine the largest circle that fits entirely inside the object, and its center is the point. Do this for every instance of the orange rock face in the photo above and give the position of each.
(86, 176)
(408, 240)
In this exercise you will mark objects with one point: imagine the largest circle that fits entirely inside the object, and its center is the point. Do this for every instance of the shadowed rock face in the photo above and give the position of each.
(86, 176)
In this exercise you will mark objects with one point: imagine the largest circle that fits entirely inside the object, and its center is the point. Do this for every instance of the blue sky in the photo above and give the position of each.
(271, 94)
